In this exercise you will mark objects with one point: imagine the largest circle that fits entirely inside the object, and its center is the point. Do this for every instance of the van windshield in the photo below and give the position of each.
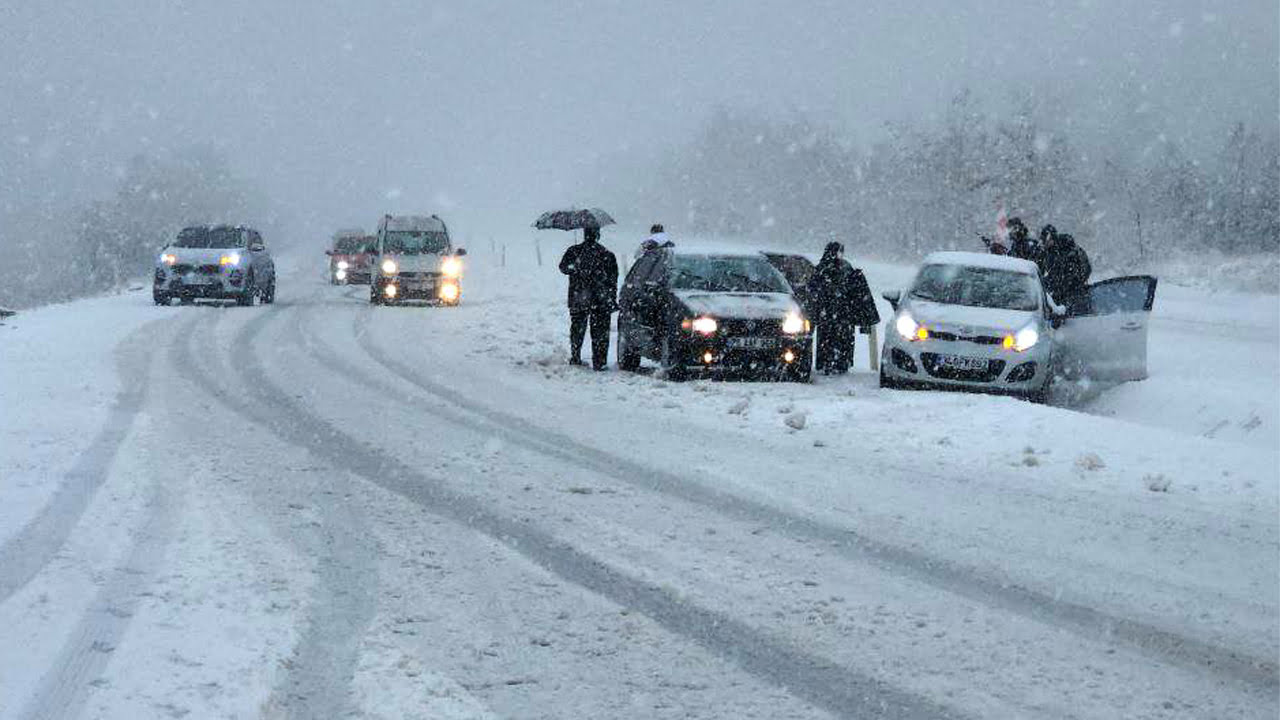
(977, 287)
(415, 242)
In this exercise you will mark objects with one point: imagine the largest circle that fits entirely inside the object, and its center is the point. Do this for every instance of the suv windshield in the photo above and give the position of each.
(414, 242)
(977, 287)
(218, 237)
(726, 273)
(350, 246)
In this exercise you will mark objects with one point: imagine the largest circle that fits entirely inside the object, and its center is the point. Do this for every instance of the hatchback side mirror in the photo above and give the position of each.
(460, 252)
(893, 296)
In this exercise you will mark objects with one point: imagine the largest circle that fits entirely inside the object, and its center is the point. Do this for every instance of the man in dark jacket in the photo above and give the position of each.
(1020, 243)
(593, 296)
(840, 301)
(1065, 270)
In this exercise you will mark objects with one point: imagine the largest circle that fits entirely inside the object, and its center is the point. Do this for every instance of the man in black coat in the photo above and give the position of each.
(1021, 245)
(1065, 270)
(593, 296)
(840, 301)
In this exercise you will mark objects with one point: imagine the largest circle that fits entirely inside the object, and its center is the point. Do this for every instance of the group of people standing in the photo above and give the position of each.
(1064, 265)
(837, 299)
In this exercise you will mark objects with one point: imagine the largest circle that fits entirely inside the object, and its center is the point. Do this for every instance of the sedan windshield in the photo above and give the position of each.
(218, 237)
(977, 287)
(726, 273)
(415, 242)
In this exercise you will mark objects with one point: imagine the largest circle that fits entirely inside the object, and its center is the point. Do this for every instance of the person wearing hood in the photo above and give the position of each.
(657, 239)
(593, 296)
(1021, 245)
(841, 301)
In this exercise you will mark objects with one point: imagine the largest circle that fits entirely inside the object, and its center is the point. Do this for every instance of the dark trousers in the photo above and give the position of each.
(835, 347)
(599, 321)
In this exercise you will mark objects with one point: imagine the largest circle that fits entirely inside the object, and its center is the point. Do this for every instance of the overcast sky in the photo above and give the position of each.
(492, 111)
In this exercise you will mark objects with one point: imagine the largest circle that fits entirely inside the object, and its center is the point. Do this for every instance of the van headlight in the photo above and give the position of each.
(1023, 340)
(451, 267)
(389, 267)
(909, 329)
(793, 324)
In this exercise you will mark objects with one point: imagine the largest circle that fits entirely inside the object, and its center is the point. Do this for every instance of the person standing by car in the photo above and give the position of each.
(593, 296)
(841, 301)
(1065, 270)
(1020, 243)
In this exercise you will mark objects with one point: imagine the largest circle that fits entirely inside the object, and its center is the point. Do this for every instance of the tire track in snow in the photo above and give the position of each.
(317, 682)
(65, 688)
(1082, 620)
(816, 680)
(38, 543)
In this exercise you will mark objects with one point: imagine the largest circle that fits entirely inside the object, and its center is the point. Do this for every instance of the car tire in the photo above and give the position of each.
(160, 298)
(887, 382)
(672, 371)
(269, 295)
(628, 359)
(249, 294)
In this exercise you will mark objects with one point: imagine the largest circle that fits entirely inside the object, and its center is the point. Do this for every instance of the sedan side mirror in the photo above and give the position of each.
(460, 252)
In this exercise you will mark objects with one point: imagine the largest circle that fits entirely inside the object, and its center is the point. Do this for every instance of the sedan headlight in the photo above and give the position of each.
(909, 329)
(229, 259)
(343, 264)
(168, 258)
(451, 267)
(794, 324)
(389, 267)
(1023, 340)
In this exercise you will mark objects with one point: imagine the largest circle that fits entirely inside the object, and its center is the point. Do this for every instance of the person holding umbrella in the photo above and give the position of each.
(593, 296)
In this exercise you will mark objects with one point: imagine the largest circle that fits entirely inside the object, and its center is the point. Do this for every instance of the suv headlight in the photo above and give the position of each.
(451, 267)
(229, 259)
(1023, 340)
(168, 258)
(389, 267)
(794, 324)
(909, 329)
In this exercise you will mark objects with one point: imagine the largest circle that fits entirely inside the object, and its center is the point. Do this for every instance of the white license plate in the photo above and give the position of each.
(959, 362)
(752, 343)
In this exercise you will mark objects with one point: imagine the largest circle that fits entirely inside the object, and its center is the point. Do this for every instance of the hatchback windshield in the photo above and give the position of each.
(350, 246)
(415, 242)
(977, 287)
(218, 237)
(726, 273)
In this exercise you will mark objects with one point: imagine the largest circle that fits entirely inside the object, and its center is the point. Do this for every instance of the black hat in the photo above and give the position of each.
(656, 228)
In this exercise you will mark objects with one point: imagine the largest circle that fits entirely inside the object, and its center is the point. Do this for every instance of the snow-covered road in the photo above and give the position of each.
(321, 509)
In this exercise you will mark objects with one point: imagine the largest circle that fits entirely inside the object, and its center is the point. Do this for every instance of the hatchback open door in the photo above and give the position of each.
(1104, 336)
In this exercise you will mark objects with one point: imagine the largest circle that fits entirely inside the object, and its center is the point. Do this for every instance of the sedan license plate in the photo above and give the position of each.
(752, 343)
(960, 362)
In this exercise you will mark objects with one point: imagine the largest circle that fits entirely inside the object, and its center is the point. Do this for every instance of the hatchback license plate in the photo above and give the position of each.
(752, 343)
(960, 362)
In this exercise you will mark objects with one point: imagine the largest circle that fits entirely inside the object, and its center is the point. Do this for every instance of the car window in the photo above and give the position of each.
(641, 270)
(726, 273)
(218, 237)
(414, 242)
(977, 287)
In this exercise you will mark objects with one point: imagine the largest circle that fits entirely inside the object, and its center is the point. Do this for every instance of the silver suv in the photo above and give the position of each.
(219, 262)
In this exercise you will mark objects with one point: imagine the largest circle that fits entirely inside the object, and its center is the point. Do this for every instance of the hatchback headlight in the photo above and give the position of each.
(909, 329)
(389, 267)
(794, 324)
(1023, 340)
(451, 267)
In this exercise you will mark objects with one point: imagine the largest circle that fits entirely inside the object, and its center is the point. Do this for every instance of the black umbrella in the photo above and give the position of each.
(573, 219)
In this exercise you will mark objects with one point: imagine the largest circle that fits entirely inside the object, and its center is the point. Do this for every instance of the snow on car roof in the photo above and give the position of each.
(411, 223)
(982, 260)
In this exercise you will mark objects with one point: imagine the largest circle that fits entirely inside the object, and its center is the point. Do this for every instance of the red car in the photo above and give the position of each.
(350, 258)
